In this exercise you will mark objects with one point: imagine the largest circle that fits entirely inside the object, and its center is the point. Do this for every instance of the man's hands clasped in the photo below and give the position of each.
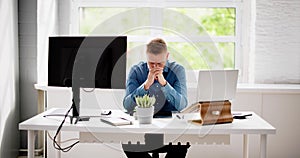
(155, 73)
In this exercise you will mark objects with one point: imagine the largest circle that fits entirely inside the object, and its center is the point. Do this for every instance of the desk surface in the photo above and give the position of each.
(252, 125)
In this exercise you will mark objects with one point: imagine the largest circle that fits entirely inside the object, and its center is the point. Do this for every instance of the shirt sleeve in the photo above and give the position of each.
(177, 94)
(133, 88)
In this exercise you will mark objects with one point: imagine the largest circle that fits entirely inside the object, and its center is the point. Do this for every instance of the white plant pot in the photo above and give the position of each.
(145, 115)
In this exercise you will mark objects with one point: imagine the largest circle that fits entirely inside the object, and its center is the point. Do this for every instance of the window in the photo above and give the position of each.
(200, 34)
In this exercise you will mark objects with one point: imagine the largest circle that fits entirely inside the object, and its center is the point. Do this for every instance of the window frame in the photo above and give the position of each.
(76, 6)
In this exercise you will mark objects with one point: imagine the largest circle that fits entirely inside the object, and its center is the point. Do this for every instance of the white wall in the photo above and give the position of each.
(277, 50)
(282, 112)
(9, 79)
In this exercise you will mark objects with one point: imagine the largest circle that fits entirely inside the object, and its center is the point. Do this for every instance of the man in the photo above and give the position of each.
(160, 78)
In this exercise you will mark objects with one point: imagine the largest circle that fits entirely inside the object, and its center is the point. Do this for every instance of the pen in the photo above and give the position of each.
(178, 116)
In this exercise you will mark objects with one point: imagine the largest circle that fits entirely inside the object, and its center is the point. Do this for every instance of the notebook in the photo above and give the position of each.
(116, 121)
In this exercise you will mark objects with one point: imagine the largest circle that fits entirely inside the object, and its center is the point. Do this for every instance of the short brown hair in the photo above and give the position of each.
(156, 46)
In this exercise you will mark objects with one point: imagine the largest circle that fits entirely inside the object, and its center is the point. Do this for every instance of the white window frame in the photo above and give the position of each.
(237, 4)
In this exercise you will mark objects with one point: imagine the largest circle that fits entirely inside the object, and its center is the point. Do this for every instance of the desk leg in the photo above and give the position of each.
(58, 139)
(263, 146)
(246, 147)
(31, 140)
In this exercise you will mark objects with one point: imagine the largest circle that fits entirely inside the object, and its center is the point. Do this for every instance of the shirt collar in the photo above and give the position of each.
(166, 68)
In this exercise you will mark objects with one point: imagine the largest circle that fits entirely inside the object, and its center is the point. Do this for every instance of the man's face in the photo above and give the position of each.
(158, 60)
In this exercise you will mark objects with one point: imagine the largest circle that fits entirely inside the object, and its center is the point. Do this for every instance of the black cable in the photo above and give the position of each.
(55, 144)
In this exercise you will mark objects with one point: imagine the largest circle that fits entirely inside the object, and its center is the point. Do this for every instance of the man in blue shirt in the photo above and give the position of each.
(159, 77)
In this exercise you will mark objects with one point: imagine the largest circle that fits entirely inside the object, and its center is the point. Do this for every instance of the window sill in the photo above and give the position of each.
(269, 88)
(241, 87)
(262, 88)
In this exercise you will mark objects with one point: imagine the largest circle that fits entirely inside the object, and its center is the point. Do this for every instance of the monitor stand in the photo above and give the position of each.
(75, 114)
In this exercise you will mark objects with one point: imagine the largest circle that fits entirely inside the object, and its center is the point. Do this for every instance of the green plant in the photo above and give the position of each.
(145, 101)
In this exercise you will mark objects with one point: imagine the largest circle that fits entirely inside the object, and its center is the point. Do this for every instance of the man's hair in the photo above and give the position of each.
(156, 46)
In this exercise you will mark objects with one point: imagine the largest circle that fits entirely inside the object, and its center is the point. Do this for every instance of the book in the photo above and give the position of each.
(116, 121)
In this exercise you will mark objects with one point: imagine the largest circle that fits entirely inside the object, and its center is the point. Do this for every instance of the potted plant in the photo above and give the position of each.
(145, 108)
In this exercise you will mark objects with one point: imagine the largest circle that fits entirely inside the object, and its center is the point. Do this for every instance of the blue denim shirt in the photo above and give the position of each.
(175, 91)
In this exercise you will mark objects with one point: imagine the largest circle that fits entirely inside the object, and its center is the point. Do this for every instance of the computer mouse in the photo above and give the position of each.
(105, 112)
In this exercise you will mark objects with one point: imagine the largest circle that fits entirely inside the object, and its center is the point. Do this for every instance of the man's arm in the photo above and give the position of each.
(177, 94)
(133, 88)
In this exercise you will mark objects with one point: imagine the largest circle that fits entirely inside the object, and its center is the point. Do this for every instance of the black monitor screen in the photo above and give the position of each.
(98, 62)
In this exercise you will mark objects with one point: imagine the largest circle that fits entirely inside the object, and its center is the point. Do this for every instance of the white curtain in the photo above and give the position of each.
(47, 25)
(9, 87)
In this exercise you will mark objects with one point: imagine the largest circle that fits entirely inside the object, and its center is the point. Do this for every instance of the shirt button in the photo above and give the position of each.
(168, 100)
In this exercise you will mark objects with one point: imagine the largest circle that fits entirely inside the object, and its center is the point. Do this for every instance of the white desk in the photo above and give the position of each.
(173, 129)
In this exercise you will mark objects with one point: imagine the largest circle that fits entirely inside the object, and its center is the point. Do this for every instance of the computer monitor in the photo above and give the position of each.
(107, 52)
(216, 85)
(87, 62)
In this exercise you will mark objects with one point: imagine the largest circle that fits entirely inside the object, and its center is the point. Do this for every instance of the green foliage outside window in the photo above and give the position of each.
(216, 21)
